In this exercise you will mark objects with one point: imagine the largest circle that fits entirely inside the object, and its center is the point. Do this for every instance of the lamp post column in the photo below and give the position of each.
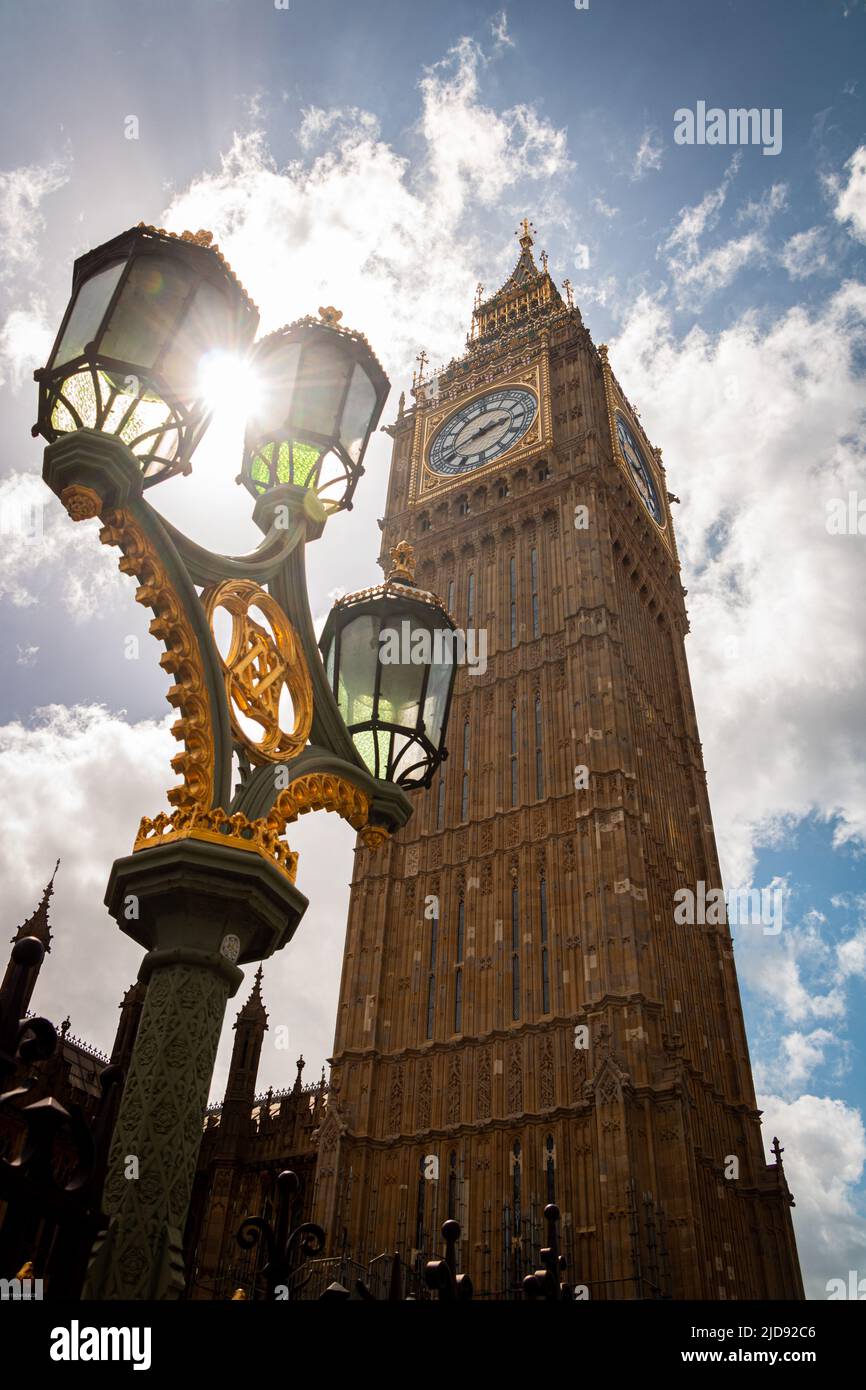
(199, 906)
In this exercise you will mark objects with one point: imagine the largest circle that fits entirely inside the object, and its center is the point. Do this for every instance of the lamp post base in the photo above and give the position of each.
(200, 906)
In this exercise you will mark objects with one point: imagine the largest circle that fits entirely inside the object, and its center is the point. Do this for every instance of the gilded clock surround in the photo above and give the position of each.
(616, 401)
(537, 439)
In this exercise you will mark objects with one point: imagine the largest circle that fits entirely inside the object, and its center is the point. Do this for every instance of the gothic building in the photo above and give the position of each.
(247, 1141)
(521, 1018)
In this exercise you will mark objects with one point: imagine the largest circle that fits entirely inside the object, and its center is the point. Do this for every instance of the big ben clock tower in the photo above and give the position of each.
(523, 1019)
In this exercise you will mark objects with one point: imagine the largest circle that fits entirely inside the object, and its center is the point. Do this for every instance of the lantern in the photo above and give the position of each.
(148, 309)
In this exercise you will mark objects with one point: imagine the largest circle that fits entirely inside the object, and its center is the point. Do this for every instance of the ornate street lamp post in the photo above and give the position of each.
(210, 885)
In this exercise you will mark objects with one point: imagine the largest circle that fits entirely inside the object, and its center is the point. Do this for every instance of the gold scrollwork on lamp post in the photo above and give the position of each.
(260, 662)
(181, 658)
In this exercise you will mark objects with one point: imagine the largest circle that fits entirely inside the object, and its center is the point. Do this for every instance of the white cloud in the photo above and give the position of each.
(22, 192)
(44, 552)
(761, 426)
(26, 655)
(804, 1053)
(359, 227)
(603, 208)
(696, 275)
(25, 342)
(762, 210)
(499, 30)
(581, 256)
(851, 202)
(649, 155)
(825, 1151)
(805, 253)
(693, 222)
(350, 124)
(851, 954)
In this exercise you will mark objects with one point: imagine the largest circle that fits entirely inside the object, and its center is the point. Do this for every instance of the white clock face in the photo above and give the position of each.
(482, 430)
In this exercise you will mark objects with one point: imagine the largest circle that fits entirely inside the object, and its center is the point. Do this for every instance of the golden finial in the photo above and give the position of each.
(526, 238)
(402, 563)
(422, 359)
(569, 293)
(200, 238)
(330, 315)
(544, 261)
(239, 1296)
(26, 1270)
(602, 351)
(479, 293)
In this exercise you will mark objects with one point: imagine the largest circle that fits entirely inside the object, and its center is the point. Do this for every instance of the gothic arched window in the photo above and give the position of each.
(536, 620)
(515, 952)
(545, 960)
(458, 968)
(431, 976)
(550, 1167)
(419, 1224)
(515, 767)
(452, 1186)
(539, 754)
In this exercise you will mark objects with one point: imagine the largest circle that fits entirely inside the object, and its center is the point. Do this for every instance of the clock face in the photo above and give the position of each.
(640, 472)
(482, 430)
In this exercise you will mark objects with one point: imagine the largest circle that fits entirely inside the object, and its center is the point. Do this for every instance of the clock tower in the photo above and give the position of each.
(523, 1016)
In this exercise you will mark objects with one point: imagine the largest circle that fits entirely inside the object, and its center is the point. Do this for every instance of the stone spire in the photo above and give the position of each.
(527, 292)
(38, 925)
(250, 1026)
(254, 1010)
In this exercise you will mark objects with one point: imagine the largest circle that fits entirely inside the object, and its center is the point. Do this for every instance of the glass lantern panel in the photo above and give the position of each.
(437, 694)
(365, 743)
(360, 403)
(276, 373)
(90, 304)
(206, 329)
(359, 652)
(260, 471)
(400, 685)
(321, 385)
(304, 459)
(144, 317)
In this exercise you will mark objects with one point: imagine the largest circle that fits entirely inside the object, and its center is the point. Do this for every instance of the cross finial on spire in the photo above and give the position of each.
(422, 359)
(525, 234)
(544, 261)
(569, 293)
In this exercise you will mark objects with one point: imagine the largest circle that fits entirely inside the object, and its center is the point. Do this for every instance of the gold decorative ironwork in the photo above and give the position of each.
(82, 503)
(330, 315)
(199, 238)
(257, 836)
(181, 659)
(260, 663)
(373, 837)
(321, 791)
(402, 562)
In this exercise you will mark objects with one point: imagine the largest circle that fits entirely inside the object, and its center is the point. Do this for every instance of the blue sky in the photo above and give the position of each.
(379, 157)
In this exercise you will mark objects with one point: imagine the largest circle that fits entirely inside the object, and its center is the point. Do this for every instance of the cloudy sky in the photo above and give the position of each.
(378, 157)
